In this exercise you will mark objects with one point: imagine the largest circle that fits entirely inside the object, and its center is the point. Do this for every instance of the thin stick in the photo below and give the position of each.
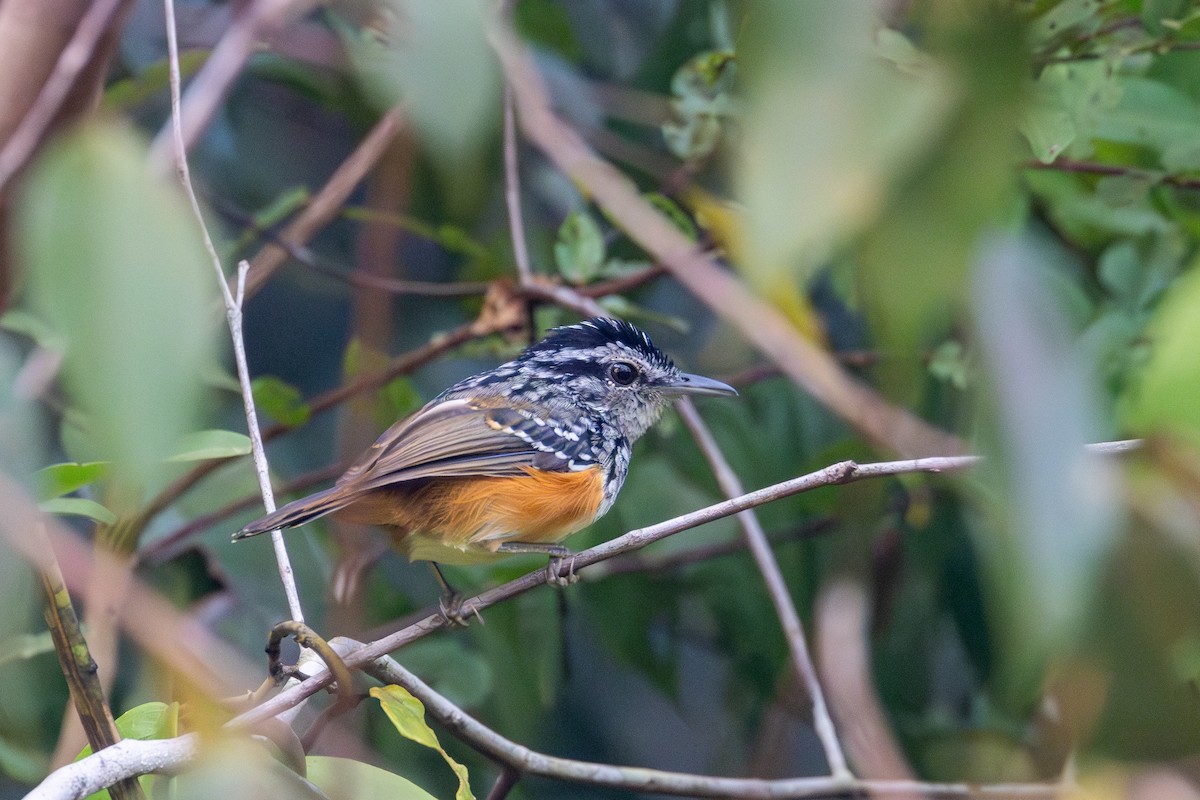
(512, 191)
(74, 58)
(233, 313)
(777, 590)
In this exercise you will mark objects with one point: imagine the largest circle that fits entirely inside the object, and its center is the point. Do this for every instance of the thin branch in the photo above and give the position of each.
(123, 760)
(641, 779)
(233, 314)
(833, 475)
(327, 203)
(78, 666)
(759, 322)
(1095, 168)
(259, 20)
(512, 192)
(777, 590)
(74, 58)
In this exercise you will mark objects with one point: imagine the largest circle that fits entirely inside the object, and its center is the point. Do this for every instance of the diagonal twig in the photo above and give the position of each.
(777, 590)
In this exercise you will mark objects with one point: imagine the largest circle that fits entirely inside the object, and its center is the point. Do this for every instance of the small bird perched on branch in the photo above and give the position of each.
(512, 460)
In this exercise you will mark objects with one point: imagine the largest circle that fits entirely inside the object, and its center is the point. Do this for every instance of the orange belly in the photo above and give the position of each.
(479, 514)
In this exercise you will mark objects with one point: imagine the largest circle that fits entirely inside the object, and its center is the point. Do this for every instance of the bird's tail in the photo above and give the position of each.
(298, 512)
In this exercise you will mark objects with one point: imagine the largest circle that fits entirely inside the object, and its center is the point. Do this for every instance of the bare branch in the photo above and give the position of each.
(74, 57)
(259, 21)
(123, 760)
(233, 313)
(781, 598)
(836, 474)
(524, 760)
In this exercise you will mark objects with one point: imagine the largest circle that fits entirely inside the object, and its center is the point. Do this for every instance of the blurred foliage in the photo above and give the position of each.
(988, 209)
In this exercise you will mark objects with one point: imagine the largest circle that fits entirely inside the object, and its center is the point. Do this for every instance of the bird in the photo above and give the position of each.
(514, 459)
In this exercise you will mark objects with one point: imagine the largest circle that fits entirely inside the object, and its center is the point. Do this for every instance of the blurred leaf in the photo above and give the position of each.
(22, 427)
(949, 363)
(21, 321)
(408, 715)
(79, 507)
(1164, 398)
(148, 721)
(115, 263)
(347, 779)
(59, 479)
(700, 99)
(1068, 99)
(280, 400)
(673, 212)
(435, 59)
(454, 670)
(619, 307)
(395, 400)
(808, 180)
(26, 645)
(205, 445)
(154, 79)
(1157, 116)
(1055, 506)
(579, 251)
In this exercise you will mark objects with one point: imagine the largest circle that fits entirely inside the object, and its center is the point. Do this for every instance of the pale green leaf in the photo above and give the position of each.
(408, 715)
(205, 445)
(78, 507)
(59, 479)
(347, 779)
(114, 263)
(280, 400)
(579, 251)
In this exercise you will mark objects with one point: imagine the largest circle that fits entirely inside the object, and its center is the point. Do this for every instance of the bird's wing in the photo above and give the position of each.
(456, 438)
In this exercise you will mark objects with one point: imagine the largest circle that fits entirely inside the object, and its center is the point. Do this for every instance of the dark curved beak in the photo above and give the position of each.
(698, 385)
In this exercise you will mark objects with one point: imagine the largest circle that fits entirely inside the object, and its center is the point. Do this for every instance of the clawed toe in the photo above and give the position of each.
(554, 571)
(456, 612)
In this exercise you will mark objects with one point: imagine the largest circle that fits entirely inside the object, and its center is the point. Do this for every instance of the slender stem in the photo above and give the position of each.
(233, 313)
(79, 667)
(781, 598)
(512, 191)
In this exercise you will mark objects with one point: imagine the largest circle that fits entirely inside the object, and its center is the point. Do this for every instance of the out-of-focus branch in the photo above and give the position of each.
(841, 622)
(1095, 168)
(761, 323)
(259, 20)
(512, 192)
(327, 203)
(233, 315)
(777, 590)
(79, 51)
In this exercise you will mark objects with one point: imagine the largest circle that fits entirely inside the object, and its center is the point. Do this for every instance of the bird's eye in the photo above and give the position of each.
(623, 373)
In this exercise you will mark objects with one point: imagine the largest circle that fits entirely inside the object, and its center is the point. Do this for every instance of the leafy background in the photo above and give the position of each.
(989, 211)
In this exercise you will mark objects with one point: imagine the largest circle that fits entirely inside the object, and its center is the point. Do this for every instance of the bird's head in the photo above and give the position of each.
(614, 369)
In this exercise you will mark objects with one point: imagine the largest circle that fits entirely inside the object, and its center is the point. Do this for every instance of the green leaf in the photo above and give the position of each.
(149, 721)
(25, 645)
(1165, 396)
(115, 263)
(701, 99)
(279, 399)
(21, 321)
(79, 507)
(205, 445)
(152, 80)
(674, 212)
(579, 251)
(432, 53)
(59, 479)
(408, 715)
(397, 399)
(348, 779)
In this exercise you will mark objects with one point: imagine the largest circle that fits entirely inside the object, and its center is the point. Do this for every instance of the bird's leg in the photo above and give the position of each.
(451, 601)
(558, 554)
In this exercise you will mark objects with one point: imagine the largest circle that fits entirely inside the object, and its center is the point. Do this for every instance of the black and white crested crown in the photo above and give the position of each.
(599, 332)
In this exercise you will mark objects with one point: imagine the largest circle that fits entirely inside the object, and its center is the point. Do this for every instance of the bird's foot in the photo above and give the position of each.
(456, 611)
(555, 575)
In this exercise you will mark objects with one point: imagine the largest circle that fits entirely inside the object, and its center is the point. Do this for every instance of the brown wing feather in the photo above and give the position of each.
(451, 439)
